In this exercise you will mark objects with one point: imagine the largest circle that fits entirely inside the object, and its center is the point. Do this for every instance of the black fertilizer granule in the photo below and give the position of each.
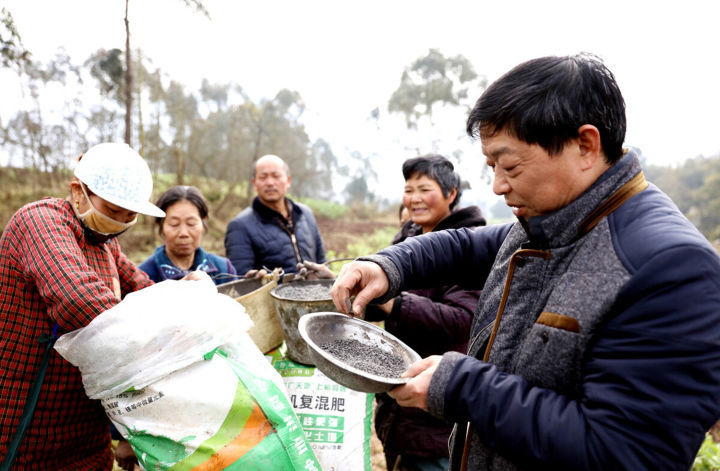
(316, 292)
(370, 359)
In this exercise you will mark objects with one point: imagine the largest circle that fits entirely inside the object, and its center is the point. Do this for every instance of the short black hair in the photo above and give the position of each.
(179, 193)
(438, 168)
(544, 101)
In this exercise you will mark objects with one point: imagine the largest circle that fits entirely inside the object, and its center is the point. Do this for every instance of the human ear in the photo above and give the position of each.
(452, 196)
(589, 145)
(76, 191)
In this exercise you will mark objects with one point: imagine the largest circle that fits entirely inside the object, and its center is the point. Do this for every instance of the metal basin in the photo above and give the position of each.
(240, 287)
(254, 295)
(290, 309)
(323, 327)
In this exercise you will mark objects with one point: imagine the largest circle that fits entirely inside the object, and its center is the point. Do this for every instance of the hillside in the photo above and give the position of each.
(347, 236)
(345, 231)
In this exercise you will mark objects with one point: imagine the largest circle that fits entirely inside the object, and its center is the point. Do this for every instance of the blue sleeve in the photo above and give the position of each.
(225, 267)
(230, 267)
(650, 383)
(239, 246)
(314, 233)
(451, 257)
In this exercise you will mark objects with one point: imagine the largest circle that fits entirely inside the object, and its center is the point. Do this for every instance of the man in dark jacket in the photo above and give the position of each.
(595, 344)
(275, 231)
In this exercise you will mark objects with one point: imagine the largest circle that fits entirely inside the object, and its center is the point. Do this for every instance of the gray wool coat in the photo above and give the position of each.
(604, 317)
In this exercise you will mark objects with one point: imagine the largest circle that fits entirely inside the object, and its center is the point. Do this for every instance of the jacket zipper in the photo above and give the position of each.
(496, 326)
(295, 246)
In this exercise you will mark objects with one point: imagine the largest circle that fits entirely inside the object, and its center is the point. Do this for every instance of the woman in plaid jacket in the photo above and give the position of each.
(60, 266)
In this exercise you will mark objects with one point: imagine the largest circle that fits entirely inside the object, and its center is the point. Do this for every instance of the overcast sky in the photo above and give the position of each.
(346, 58)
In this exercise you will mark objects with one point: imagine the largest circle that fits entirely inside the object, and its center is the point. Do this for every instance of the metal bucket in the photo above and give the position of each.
(290, 309)
(254, 295)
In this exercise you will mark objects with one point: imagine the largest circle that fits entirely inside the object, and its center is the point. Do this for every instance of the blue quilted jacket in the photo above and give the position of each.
(257, 238)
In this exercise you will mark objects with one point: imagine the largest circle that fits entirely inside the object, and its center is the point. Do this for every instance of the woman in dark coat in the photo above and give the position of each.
(430, 321)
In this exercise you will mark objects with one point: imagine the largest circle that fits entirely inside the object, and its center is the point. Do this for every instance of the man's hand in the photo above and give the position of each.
(364, 280)
(255, 274)
(125, 456)
(414, 392)
(315, 271)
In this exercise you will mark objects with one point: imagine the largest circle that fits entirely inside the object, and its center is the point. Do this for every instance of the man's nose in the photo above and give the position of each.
(500, 184)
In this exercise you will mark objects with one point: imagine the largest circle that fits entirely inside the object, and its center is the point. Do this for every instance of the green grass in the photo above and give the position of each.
(324, 208)
(708, 457)
(377, 241)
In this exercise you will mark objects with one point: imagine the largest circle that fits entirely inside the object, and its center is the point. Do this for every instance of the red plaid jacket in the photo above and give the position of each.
(50, 274)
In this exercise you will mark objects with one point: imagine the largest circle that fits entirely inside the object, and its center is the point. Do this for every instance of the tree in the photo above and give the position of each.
(128, 79)
(695, 188)
(13, 54)
(45, 139)
(325, 162)
(433, 98)
(182, 110)
(217, 131)
(706, 211)
(199, 7)
(106, 66)
(274, 127)
(433, 80)
(357, 191)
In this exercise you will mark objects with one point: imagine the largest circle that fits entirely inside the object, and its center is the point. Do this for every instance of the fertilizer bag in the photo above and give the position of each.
(194, 390)
(336, 420)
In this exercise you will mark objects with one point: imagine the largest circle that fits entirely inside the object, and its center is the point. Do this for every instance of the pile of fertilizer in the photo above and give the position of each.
(368, 358)
(313, 292)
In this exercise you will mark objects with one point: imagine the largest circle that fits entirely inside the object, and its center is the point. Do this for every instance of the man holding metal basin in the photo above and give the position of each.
(595, 342)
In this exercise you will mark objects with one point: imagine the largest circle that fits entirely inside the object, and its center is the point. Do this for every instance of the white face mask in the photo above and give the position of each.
(100, 223)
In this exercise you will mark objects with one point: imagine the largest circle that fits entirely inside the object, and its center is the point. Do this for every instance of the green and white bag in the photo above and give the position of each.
(223, 408)
(337, 421)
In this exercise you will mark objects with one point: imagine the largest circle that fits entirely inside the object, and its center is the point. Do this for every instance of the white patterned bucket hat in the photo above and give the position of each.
(116, 173)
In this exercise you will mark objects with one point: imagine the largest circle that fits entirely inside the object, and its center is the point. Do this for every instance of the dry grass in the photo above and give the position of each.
(377, 456)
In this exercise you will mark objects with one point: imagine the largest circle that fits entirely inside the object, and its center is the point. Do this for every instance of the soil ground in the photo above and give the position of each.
(337, 234)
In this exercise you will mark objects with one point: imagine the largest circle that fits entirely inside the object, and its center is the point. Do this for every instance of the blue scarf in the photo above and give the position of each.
(168, 271)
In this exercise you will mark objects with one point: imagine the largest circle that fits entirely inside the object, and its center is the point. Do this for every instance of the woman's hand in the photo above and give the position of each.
(197, 275)
(125, 456)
